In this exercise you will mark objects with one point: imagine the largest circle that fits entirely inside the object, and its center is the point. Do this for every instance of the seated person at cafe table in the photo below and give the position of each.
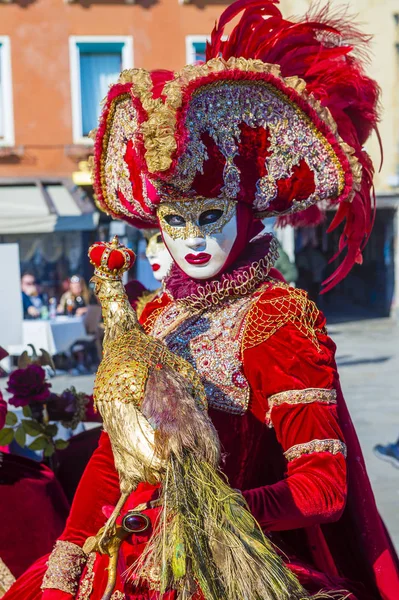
(31, 299)
(75, 300)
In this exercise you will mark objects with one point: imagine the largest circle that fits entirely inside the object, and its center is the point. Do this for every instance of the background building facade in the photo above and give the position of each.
(57, 60)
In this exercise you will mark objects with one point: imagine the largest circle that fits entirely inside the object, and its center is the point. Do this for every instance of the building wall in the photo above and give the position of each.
(39, 31)
(39, 34)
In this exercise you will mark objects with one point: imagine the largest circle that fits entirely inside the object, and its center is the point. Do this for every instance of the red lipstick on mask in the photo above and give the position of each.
(155, 267)
(198, 259)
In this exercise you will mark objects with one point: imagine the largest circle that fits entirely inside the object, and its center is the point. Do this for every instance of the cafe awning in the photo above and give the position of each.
(45, 207)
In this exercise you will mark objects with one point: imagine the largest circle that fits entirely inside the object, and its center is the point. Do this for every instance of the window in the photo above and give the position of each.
(6, 105)
(195, 48)
(96, 62)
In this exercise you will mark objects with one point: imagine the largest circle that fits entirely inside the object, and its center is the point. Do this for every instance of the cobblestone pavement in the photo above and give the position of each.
(368, 363)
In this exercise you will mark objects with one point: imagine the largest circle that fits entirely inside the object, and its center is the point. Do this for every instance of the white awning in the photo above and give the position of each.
(40, 207)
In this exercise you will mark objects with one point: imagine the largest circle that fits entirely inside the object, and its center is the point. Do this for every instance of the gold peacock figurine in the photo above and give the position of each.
(154, 409)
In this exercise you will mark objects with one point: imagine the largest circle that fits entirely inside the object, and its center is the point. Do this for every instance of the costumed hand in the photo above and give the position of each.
(145, 499)
(131, 532)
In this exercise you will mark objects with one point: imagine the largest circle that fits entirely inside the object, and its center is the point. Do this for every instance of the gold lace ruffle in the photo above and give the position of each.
(6, 578)
(268, 315)
(307, 396)
(64, 567)
(331, 446)
(246, 283)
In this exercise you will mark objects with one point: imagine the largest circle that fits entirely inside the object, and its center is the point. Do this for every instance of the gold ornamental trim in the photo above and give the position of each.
(118, 596)
(331, 446)
(269, 314)
(304, 396)
(64, 567)
(307, 396)
(158, 130)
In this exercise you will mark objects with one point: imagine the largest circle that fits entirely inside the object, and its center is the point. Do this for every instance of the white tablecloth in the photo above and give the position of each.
(56, 335)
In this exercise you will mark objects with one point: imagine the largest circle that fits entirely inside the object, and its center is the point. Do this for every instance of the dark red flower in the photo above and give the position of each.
(28, 385)
(3, 411)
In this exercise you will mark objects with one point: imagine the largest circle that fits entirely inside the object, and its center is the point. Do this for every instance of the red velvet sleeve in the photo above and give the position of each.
(98, 487)
(292, 359)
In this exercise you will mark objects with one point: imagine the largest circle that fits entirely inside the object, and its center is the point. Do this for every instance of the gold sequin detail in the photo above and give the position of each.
(86, 585)
(331, 446)
(268, 315)
(306, 396)
(64, 567)
(6, 578)
(118, 595)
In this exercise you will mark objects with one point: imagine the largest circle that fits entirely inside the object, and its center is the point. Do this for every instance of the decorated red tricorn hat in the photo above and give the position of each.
(111, 260)
(276, 118)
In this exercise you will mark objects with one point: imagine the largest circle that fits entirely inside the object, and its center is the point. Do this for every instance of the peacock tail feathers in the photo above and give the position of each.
(207, 540)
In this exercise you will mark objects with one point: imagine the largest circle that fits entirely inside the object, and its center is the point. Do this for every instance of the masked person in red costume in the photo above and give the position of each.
(273, 124)
(160, 262)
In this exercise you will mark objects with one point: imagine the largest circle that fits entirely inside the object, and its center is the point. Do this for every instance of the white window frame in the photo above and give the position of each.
(74, 58)
(6, 76)
(190, 50)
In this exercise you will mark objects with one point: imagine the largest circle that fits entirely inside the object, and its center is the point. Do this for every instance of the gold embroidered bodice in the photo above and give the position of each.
(210, 339)
(213, 339)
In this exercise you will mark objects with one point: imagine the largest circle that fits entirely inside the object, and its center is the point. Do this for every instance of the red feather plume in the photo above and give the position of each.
(327, 51)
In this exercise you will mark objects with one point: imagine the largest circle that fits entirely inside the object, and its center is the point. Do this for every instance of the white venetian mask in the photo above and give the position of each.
(199, 234)
(158, 257)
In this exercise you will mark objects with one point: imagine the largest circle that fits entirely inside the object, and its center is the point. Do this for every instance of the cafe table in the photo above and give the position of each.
(54, 335)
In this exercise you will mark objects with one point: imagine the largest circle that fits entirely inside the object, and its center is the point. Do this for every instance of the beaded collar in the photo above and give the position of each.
(242, 279)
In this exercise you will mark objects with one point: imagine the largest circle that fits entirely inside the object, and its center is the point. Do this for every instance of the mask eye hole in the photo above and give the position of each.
(159, 239)
(175, 220)
(210, 216)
